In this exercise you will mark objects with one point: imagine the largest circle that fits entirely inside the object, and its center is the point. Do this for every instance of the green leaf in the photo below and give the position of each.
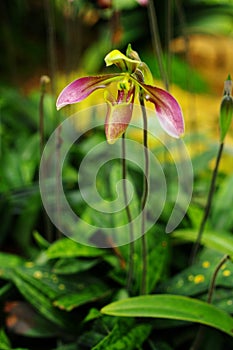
(157, 256)
(40, 240)
(89, 291)
(158, 250)
(223, 299)
(5, 291)
(71, 265)
(42, 304)
(92, 315)
(124, 335)
(4, 341)
(220, 218)
(221, 241)
(172, 307)
(67, 248)
(72, 346)
(7, 262)
(196, 278)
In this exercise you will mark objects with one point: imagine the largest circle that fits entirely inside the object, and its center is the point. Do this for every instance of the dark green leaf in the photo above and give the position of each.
(70, 265)
(42, 304)
(124, 335)
(89, 291)
(196, 278)
(67, 248)
(7, 262)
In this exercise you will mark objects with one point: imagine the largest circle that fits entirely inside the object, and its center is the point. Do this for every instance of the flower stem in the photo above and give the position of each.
(144, 197)
(44, 81)
(156, 41)
(200, 334)
(129, 217)
(213, 280)
(208, 204)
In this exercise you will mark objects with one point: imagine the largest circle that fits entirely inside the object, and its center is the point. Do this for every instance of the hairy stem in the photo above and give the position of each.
(201, 331)
(208, 204)
(144, 197)
(129, 216)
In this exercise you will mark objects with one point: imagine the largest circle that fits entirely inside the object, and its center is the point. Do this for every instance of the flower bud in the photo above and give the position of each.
(226, 109)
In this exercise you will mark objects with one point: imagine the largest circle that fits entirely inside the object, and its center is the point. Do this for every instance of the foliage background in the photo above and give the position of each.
(52, 289)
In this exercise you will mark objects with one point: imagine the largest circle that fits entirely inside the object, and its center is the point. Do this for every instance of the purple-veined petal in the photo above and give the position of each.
(119, 114)
(168, 110)
(81, 88)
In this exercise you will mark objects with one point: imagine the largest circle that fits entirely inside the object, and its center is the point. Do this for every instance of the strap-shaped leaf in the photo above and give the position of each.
(172, 307)
(221, 241)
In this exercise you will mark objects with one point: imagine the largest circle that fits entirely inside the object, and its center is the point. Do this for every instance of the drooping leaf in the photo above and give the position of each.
(40, 240)
(221, 241)
(173, 307)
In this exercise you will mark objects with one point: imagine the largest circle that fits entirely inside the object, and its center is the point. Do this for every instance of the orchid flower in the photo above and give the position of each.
(134, 78)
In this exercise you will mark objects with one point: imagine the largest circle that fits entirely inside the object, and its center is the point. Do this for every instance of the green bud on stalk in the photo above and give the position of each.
(226, 109)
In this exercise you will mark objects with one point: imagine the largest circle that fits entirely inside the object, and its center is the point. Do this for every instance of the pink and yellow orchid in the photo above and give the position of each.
(134, 78)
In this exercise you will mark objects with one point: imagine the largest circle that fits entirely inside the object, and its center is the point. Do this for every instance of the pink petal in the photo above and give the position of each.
(168, 110)
(79, 89)
(143, 2)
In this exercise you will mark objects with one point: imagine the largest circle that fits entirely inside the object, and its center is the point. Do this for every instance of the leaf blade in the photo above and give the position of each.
(220, 241)
(172, 307)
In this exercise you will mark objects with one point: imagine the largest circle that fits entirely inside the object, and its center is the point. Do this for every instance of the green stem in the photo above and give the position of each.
(200, 334)
(169, 26)
(41, 115)
(59, 142)
(44, 81)
(129, 216)
(144, 197)
(49, 8)
(208, 204)
(156, 41)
